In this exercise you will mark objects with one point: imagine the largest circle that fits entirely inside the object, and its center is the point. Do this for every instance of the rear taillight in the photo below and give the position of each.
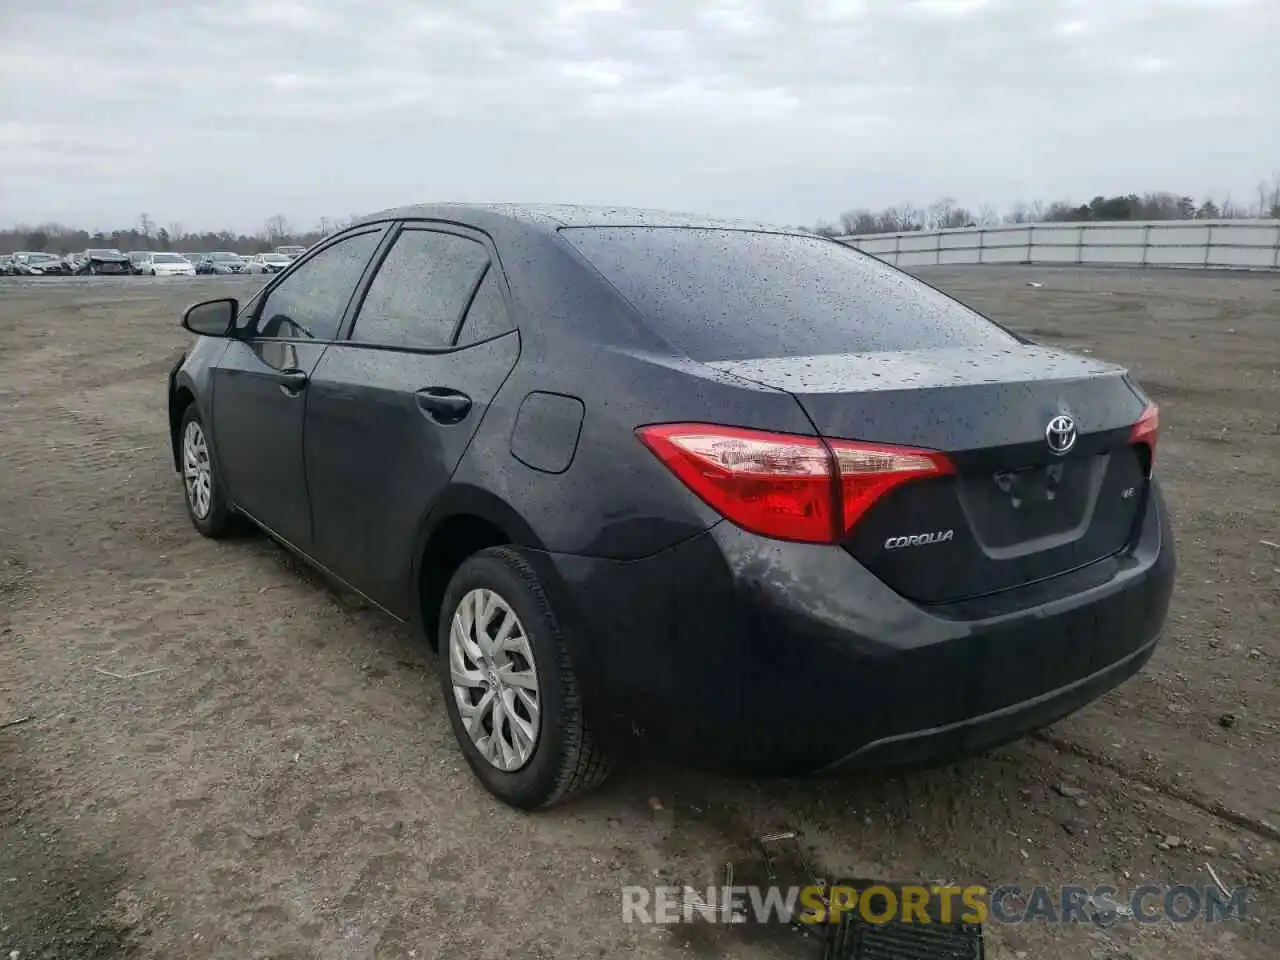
(869, 471)
(784, 486)
(772, 484)
(1146, 430)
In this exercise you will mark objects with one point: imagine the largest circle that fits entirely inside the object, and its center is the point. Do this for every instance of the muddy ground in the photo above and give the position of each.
(286, 785)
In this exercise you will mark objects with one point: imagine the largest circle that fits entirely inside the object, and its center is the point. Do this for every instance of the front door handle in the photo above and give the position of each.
(443, 404)
(291, 380)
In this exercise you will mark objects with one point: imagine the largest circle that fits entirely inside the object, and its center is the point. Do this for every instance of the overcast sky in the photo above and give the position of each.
(222, 114)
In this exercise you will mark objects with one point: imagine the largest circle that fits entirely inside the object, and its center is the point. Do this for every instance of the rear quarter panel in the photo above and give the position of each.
(580, 340)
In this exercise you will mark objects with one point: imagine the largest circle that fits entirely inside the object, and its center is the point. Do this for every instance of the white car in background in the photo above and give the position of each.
(167, 265)
(267, 263)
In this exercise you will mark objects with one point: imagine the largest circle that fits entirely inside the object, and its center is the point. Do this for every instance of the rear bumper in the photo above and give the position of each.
(975, 734)
(778, 657)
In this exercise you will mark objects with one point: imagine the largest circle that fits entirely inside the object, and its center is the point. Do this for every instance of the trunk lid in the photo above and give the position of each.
(1014, 512)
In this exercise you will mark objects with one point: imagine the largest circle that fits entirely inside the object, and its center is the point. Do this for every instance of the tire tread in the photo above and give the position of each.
(584, 763)
(221, 523)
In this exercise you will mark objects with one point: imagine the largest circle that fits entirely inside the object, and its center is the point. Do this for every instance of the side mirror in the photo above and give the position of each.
(212, 318)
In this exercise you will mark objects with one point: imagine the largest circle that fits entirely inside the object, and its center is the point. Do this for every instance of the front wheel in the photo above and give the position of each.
(509, 686)
(206, 505)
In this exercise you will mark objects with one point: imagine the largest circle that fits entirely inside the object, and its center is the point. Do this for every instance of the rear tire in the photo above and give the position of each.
(206, 503)
(503, 660)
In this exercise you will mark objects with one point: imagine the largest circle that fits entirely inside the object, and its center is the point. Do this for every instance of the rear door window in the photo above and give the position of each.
(719, 294)
(418, 295)
(487, 316)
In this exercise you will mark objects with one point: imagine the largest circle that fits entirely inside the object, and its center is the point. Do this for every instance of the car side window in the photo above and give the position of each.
(487, 316)
(309, 303)
(420, 291)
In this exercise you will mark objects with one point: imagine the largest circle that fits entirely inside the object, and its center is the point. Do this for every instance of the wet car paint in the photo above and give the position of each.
(679, 622)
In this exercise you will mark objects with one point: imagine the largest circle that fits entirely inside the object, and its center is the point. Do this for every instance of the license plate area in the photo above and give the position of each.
(1009, 508)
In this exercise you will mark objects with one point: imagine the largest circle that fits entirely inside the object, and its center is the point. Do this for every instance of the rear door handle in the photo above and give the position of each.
(291, 380)
(443, 404)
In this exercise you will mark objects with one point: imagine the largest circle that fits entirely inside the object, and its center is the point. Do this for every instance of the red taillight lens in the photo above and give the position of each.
(869, 471)
(772, 484)
(784, 486)
(1146, 430)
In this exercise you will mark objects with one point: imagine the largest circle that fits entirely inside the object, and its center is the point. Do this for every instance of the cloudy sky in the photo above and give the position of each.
(222, 114)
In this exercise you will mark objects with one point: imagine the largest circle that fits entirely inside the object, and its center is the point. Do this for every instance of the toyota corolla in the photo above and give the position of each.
(748, 493)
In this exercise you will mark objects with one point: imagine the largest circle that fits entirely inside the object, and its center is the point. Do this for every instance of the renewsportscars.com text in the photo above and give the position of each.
(1008, 904)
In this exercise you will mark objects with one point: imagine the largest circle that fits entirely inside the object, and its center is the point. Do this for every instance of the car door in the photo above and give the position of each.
(393, 407)
(261, 383)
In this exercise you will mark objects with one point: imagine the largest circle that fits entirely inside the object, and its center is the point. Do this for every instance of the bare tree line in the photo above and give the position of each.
(943, 213)
(946, 213)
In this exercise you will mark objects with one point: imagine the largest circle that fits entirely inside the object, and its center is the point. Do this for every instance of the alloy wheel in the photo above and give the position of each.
(197, 471)
(495, 680)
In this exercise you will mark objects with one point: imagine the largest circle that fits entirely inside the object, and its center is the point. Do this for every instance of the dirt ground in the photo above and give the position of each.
(285, 783)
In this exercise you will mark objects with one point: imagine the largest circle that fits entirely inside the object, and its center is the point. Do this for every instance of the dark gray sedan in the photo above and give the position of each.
(748, 493)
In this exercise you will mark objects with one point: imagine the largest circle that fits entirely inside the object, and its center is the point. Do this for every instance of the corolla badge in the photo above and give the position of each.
(1060, 434)
(919, 539)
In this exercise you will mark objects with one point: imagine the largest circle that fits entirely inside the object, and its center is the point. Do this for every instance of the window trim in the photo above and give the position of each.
(500, 280)
(262, 296)
(466, 307)
(428, 226)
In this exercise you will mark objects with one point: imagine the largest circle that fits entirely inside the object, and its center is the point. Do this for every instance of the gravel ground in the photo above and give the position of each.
(285, 784)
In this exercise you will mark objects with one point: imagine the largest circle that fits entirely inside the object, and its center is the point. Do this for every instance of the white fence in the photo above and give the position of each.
(1231, 244)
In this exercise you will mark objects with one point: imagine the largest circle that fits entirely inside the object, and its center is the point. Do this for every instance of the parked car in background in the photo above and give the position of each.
(97, 261)
(137, 259)
(168, 265)
(293, 253)
(6, 264)
(267, 263)
(221, 262)
(25, 264)
(753, 493)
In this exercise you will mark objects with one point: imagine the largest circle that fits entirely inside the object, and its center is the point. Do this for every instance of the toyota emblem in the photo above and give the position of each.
(1060, 434)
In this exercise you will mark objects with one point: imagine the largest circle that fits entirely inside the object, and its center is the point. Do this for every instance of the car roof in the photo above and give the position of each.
(553, 216)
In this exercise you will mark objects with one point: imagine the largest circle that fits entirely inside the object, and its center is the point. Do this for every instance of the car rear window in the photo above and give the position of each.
(721, 294)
